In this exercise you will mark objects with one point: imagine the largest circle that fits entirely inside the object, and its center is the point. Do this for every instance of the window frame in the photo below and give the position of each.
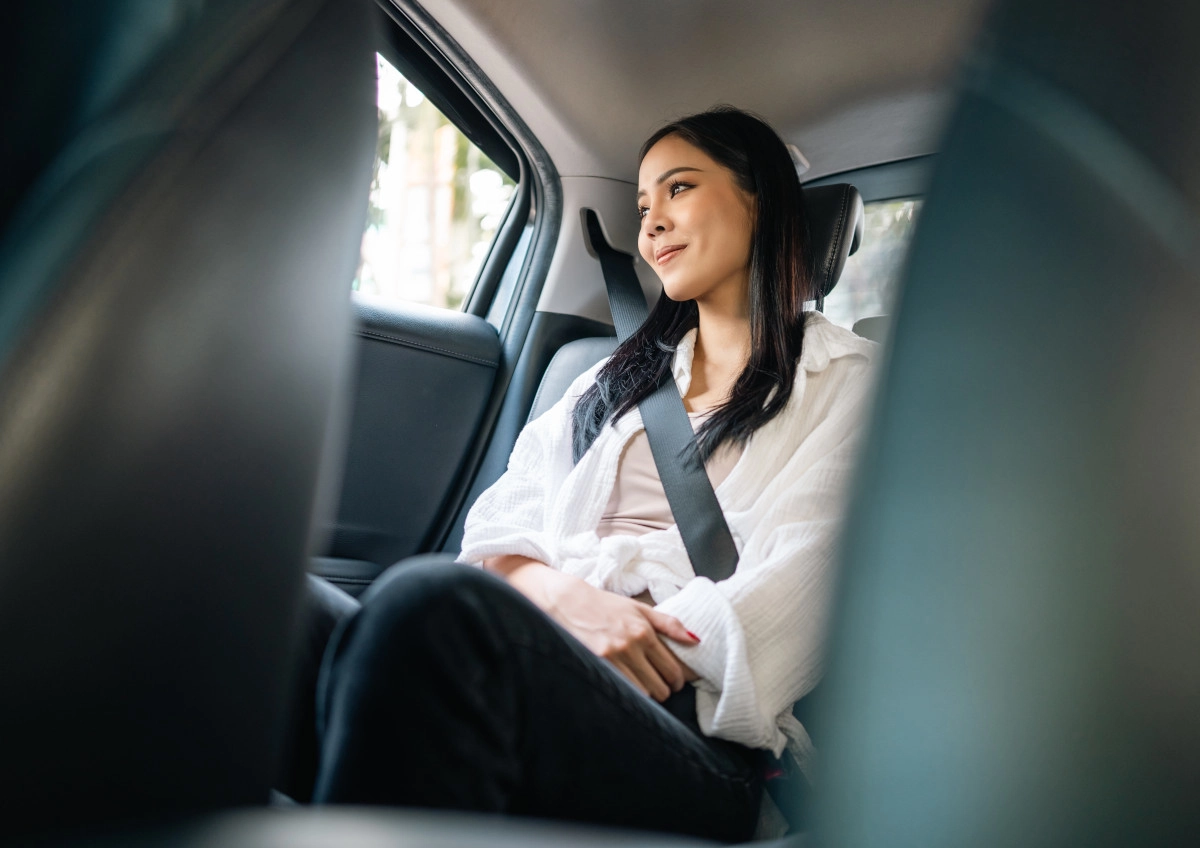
(421, 51)
(509, 284)
(902, 179)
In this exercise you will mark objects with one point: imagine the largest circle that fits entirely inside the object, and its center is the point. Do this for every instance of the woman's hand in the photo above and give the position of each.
(625, 632)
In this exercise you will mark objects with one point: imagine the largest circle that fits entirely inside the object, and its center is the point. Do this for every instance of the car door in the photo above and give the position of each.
(462, 226)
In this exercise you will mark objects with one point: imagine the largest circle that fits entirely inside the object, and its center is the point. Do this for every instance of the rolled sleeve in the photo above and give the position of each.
(511, 516)
(762, 630)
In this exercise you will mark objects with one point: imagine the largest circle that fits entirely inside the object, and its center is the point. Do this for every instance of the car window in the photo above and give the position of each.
(867, 286)
(436, 202)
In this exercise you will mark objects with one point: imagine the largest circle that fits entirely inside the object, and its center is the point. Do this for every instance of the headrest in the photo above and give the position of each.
(835, 230)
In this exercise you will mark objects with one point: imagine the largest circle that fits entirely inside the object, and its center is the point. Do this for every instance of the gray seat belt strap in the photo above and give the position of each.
(693, 502)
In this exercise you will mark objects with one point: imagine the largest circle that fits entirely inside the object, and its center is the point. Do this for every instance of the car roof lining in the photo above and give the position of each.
(593, 79)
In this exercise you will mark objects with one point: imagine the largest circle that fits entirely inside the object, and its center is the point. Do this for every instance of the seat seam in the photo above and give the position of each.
(373, 334)
(837, 242)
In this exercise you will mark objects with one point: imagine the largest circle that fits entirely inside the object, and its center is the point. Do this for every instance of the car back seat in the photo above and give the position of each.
(874, 328)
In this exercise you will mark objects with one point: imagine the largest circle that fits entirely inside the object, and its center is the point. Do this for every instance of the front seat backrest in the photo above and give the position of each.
(181, 227)
(1015, 656)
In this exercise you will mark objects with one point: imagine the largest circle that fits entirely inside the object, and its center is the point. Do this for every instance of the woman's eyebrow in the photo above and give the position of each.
(666, 174)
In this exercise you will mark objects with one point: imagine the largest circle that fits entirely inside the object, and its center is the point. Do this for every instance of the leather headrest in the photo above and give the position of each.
(835, 229)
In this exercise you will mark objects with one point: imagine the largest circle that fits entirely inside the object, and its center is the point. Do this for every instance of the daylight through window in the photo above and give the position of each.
(436, 202)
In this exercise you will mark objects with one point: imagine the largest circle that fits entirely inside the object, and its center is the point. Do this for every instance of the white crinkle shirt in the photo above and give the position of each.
(762, 630)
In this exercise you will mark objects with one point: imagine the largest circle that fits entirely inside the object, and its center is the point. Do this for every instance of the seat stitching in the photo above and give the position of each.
(374, 334)
(837, 241)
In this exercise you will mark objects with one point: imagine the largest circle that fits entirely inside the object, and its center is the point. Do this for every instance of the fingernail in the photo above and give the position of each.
(693, 635)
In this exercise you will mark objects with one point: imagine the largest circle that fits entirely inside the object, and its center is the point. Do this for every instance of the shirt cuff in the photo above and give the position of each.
(726, 698)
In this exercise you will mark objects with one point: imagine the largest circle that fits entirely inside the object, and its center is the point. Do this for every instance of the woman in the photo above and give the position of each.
(585, 672)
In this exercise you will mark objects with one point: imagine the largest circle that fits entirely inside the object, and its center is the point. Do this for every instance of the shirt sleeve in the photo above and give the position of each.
(510, 517)
(763, 629)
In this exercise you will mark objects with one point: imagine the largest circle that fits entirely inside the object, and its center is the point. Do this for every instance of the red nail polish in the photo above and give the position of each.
(693, 635)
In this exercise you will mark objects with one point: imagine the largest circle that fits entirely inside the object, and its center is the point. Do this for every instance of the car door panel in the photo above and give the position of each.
(424, 379)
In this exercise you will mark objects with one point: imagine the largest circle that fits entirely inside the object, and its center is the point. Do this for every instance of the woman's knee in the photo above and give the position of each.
(421, 585)
(423, 607)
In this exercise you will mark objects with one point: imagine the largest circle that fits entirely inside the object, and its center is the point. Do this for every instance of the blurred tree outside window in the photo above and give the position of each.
(868, 283)
(436, 202)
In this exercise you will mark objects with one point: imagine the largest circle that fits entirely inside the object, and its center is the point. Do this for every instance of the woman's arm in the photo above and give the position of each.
(512, 515)
(506, 532)
(627, 633)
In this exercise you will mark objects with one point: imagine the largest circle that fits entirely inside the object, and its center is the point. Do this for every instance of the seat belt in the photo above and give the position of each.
(698, 515)
(693, 502)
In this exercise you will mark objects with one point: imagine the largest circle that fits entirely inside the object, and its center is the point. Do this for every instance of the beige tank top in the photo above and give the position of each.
(638, 504)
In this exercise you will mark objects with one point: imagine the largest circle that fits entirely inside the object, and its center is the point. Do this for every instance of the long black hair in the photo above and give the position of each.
(780, 283)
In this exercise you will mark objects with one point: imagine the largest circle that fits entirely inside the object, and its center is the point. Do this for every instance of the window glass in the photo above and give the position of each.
(436, 202)
(868, 283)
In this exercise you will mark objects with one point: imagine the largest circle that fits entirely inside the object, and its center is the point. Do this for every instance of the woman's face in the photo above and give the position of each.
(697, 224)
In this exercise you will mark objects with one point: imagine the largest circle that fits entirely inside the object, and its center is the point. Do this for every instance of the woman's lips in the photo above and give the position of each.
(664, 255)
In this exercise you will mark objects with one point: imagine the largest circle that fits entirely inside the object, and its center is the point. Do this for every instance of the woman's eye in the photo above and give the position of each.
(678, 187)
(643, 211)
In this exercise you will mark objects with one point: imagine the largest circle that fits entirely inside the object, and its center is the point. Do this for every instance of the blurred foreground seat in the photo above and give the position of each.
(182, 195)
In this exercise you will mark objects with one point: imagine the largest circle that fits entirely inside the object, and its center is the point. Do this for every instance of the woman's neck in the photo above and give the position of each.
(721, 352)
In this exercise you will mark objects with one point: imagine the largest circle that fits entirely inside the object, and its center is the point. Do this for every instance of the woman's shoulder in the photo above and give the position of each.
(826, 342)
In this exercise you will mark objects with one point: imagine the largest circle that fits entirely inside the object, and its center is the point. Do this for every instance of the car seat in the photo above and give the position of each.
(1014, 656)
(182, 196)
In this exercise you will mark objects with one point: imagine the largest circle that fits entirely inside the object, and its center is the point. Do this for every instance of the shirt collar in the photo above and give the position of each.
(681, 366)
(824, 342)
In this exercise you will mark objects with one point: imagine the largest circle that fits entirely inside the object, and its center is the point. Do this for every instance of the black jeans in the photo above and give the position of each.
(450, 689)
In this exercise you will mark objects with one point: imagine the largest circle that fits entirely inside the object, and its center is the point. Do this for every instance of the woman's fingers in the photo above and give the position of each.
(622, 631)
(628, 674)
(639, 671)
(669, 625)
(666, 664)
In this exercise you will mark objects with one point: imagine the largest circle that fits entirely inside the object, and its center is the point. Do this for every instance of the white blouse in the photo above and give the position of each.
(762, 630)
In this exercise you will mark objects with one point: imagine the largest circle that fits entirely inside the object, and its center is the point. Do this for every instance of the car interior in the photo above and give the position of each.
(282, 280)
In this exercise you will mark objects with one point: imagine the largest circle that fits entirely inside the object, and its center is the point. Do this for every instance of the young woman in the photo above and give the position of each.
(584, 672)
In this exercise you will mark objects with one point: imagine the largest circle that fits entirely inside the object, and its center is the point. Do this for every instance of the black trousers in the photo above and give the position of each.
(449, 689)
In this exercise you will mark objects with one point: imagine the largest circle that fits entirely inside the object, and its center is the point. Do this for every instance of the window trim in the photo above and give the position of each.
(897, 180)
(406, 54)
(426, 55)
(533, 219)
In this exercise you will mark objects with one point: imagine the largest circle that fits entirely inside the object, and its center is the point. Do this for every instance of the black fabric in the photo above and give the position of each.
(173, 323)
(450, 689)
(694, 505)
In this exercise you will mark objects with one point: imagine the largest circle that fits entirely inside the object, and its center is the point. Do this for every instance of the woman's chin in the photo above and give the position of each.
(677, 292)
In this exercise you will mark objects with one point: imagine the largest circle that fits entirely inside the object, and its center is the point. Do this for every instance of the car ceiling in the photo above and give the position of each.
(850, 82)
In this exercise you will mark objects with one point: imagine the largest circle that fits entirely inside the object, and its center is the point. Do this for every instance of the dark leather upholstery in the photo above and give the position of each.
(835, 230)
(182, 221)
(440, 365)
(1015, 657)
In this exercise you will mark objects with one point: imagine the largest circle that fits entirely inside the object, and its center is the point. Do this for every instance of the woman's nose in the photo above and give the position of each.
(654, 223)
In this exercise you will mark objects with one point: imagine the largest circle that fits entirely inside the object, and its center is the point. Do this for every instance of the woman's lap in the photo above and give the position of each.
(450, 689)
